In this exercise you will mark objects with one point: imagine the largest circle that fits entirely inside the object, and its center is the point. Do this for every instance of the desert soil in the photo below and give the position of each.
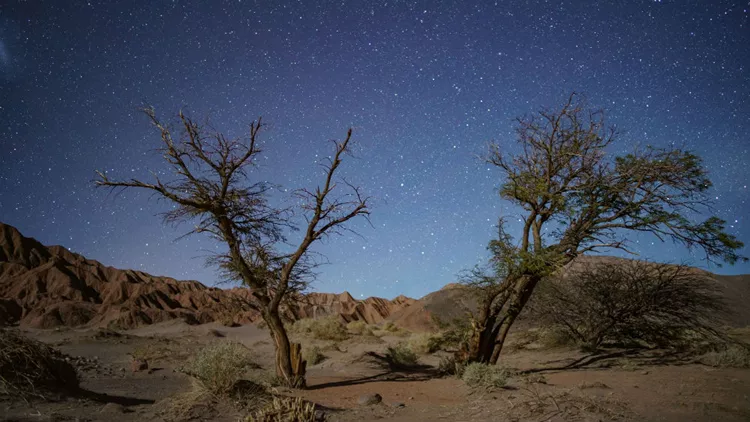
(649, 386)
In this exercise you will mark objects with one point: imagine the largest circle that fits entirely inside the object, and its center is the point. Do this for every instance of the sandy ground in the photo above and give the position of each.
(649, 386)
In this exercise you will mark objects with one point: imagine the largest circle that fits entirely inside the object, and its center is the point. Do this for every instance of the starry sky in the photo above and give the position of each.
(424, 84)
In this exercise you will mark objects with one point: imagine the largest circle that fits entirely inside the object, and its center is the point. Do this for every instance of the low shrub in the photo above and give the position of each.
(327, 328)
(401, 356)
(449, 366)
(313, 355)
(219, 366)
(728, 356)
(480, 375)
(357, 327)
(29, 368)
(285, 409)
(425, 343)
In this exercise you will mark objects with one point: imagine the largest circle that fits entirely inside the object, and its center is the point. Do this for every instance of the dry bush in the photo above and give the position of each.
(326, 328)
(220, 366)
(425, 343)
(630, 303)
(358, 327)
(401, 356)
(449, 366)
(728, 355)
(390, 329)
(480, 375)
(29, 368)
(313, 355)
(283, 409)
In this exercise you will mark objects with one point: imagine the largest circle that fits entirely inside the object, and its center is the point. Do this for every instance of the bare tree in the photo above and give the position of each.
(575, 199)
(211, 189)
(631, 301)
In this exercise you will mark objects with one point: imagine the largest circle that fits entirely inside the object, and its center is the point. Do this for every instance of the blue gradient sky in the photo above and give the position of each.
(425, 85)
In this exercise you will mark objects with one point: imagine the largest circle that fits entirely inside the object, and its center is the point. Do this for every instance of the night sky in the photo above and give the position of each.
(425, 85)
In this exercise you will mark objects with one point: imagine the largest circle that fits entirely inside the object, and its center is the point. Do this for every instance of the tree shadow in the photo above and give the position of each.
(640, 356)
(106, 398)
(391, 372)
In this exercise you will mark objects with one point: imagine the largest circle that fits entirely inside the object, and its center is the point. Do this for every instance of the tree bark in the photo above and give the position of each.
(289, 363)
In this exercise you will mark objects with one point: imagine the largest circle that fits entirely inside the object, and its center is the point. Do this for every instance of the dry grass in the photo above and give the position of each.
(327, 328)
(425, 343)
(728, 356)
(401, 356)
(220, 366)
(283, 409)
(30, 369)
(313, 355)
(483, 376)
(390, 329)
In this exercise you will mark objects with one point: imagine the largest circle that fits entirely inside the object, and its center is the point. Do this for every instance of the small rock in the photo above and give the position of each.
(370, 399)
(398, 405)
(411, 398)
(645, 372)
(112, 408)
(138, 365)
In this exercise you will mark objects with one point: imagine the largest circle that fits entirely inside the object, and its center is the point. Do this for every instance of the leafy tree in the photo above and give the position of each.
(576, 199)
(211, 189)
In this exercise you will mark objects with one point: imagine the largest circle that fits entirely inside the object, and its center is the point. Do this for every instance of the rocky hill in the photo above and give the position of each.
(49, 286)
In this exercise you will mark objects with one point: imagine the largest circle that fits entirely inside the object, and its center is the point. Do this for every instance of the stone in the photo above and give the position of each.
(398, 405)
(112, 408)
(370, 399)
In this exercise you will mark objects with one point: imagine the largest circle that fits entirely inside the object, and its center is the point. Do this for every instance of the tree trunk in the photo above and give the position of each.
(289, 363)
(521, 296)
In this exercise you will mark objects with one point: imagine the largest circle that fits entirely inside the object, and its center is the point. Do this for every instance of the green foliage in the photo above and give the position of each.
(480, 375)
(219, 366)
(326, 328)
(313, 355)
(401, 356)
(283, 409)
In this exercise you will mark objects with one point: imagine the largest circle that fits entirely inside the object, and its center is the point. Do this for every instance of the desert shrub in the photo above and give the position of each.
(228, 321)
(357, 327)
(729, 355)
(449, 366)
(326, 328)
(425, 343)
(480, 375)
(219, 366)
(388, 328)
(283, 409)
(29, 368)
(630, 303)
(555, 336)
(455, 333)
(313, 355)
(401, 356)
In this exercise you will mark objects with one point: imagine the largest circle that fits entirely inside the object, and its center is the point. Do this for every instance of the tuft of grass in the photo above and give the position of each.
(326, 328)
(425, 343)
(480, 375)
(728, 356)
(401, 356)
(313, 355)
(220, 366)
(390, 329)
(358, 327)
(449, 366)
(29, 368)
(285, 409)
